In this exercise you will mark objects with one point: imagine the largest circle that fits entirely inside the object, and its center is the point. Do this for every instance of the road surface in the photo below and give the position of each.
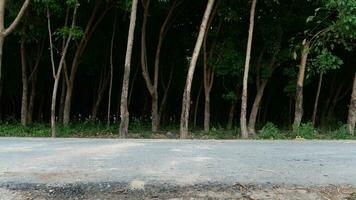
(138, 163)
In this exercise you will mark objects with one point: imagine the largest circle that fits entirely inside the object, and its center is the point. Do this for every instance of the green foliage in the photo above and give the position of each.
(230, 62)
(305, 130)
(230, 96)
(326, 61)
(269, 131)
(75, 32)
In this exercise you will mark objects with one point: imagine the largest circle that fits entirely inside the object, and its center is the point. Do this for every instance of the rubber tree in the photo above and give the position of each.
(325, 61)
(208, 72)
(243, 123)
(124, 110)
(57, 68)
(92, 24)
(4, 32)
(184, 119)
(351, 119)
(152, 86)
(338, 30)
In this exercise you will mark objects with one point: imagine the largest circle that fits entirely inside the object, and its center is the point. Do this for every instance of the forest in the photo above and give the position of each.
(245, 68)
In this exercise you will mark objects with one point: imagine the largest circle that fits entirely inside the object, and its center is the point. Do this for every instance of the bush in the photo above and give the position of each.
(269, 131)
(305, 130)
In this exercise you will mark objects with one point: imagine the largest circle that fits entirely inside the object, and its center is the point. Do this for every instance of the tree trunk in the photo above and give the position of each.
(103, 83)
(67, 104)
(256, 107)
(230, 120)
(351, 119)
(1, 55)
(317, 99)
(243, 123)
(111, 70)
(298, 112)
(196, 107)
(184, 122)
(24, 101)
(40, 109)
(57, 73)
(33, 79)
(338, 96)
(6, 31)
(208, 74)
(166, 88)
(61, 102)
(91, 26)
(124, 112)
(31, 102)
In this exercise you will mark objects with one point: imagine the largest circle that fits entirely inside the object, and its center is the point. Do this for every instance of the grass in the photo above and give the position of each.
(140, 129)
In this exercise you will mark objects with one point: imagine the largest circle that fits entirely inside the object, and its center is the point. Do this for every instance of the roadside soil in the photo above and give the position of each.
(97, 191)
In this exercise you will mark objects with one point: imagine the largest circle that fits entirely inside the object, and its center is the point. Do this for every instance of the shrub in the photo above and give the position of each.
(269, 131)
(305, 130)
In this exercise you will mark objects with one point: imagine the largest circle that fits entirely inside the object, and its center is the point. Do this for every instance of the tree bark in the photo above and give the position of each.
(315, 110)
(184, 122)
(61, 102)
(298, 112)
(351, 119)
(260, 86)
(243, 123)
(100, 94)
(196, 107)
(208, 74)
(230, 120)
(166, 88)
(153, 86)
(57, 73)
(24, 101)
(91, 26)
(111, 70)
(6, 31)
(124, 112)
(256, 107)
(32, 78)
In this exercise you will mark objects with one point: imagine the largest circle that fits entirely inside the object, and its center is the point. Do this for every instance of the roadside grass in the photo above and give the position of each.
(139, 129)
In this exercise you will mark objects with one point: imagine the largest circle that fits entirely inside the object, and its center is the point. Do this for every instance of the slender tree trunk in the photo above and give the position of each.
(100, 94)
(31, 102)
(24, 102)
(196, 107)
(298, 112)
(1, 55)
(208, 73)
(67, 104)
(111, 70)
(90, 28)
(338, 96)
(243, 123)
(124, 112)
(6, 31)
(351, 119)
(184, 122)
(132, 86)
(1, 91)
(166, 88)
(61, 102)
(230, 120)
(40, 109)
(256, 107)
(57, 73)
(317, 99)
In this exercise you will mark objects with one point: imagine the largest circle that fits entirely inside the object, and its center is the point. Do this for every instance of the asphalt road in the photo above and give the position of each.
(139, 162)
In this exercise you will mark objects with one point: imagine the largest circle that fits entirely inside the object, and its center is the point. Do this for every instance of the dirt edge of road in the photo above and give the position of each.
(164, 191)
